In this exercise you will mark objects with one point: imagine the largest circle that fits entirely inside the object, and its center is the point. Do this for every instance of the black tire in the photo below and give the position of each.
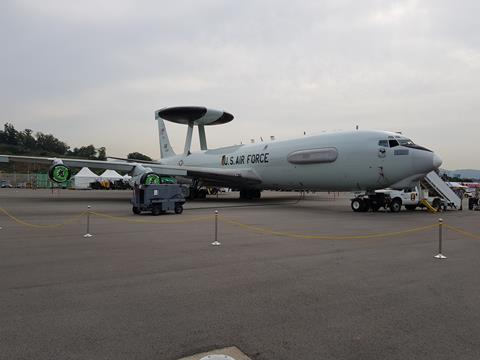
(357, 205)
(471, 203)
(437, 204)
(156, 210)
(136, 210)
(410, 207)
(366, 205)
(246, 194)
(178, 208)
(396, 205)
(242, 194)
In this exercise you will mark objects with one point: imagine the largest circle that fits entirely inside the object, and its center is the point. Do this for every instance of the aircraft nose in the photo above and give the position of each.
(437, 161)
(425, 161)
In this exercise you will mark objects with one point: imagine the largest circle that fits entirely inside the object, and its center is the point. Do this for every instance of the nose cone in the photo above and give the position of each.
(437, 161)
(425, 161)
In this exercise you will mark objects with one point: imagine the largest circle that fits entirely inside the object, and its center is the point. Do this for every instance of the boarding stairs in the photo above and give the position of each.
(436, 183)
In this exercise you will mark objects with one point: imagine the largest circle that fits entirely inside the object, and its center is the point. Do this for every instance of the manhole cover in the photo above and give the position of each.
(227, 353)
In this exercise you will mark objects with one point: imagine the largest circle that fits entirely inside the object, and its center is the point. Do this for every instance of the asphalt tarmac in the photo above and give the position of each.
(160, 290)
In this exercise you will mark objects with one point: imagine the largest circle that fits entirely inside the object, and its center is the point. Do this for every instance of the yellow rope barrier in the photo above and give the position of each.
(143, 221)
(324, 237)
(252, 228)
(43, 226)
(463, 232)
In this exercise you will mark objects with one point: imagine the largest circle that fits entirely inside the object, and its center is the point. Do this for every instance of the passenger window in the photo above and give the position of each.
(393, 143)
(383, 143)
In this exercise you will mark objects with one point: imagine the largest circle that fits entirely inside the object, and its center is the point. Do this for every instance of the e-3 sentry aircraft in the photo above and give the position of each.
(339, 161)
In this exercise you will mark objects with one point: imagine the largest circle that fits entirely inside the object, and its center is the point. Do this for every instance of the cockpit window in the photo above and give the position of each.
(405, 141)
(383, 143)
(393, 143)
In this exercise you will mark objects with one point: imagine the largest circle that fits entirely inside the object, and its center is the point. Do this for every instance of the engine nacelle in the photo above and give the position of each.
(150, 178)
(146, 176)
(59, 173)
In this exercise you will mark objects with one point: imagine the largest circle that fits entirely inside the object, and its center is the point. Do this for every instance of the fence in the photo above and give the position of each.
(32, 180)
(440, 225)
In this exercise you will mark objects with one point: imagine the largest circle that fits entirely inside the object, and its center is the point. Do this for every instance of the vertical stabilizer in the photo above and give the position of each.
(166, 149)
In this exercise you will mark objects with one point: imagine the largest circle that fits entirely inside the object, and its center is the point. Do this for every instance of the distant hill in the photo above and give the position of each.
(464, 173)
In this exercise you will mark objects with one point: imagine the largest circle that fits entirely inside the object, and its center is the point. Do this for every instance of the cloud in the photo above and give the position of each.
(394, 12)
(78, 12)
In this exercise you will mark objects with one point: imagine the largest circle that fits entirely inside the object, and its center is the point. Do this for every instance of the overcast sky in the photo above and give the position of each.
(94, 71)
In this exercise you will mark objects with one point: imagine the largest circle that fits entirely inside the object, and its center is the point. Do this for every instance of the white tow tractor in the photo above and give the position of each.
(395, 199)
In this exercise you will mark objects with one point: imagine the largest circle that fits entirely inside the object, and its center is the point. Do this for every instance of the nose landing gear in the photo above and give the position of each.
(359, 205)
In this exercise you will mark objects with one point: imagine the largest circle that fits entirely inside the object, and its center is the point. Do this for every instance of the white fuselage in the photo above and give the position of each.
(361, 163)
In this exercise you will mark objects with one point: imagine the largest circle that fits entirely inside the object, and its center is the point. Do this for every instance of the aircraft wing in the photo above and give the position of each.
(223, 177)
(98, 164)
(209, 175)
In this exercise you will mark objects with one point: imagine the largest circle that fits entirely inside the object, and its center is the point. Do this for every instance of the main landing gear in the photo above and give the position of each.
(249, 194)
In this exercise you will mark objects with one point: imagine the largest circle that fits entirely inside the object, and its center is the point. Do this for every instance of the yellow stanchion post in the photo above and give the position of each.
(88, 235)
(440, 236)
(216, 242)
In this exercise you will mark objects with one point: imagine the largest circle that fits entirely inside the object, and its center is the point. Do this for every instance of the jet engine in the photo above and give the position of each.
(150, 178)
(59, 173)
(144, 176)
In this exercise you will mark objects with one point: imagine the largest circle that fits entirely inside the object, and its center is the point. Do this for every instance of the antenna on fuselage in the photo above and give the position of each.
(191, 116)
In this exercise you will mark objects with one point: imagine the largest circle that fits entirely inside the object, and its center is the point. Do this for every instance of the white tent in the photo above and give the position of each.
(83, 178)
(111, 175)
(456, 185)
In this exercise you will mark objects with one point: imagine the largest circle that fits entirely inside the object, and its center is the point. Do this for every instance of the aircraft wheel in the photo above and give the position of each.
(366, 205)
(256, 194)
(246, 194)
(156, 210)
(357, 204)
(437, 204)
(178, 208)
(136, 210)
(396, 205)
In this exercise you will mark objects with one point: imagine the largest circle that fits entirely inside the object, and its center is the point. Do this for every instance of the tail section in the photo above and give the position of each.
(166, 149)
(192, 116)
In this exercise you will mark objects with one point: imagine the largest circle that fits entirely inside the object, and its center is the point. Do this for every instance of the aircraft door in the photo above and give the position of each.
(382, 156)
(382, 149)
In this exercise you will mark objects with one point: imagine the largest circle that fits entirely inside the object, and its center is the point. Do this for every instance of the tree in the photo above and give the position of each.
(85, 152)
(27, 141)
(138, 156)
(51, 144)
(102, 153)
(9, 135)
